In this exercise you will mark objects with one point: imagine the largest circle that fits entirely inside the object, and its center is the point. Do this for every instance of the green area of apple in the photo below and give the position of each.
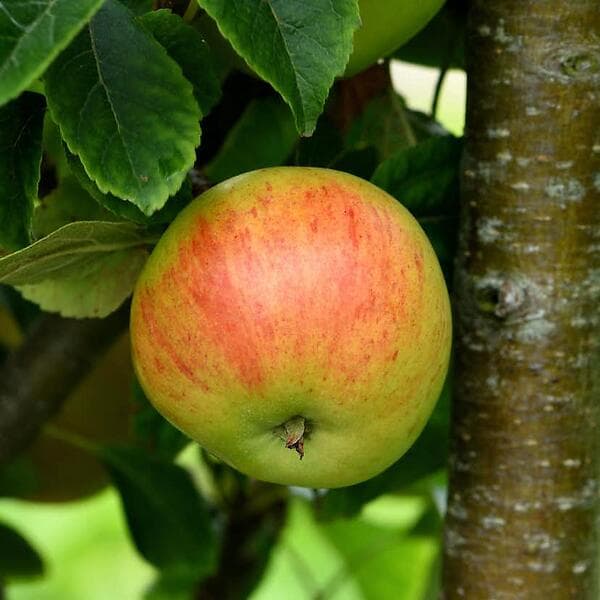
(295, 322)
(385, 27)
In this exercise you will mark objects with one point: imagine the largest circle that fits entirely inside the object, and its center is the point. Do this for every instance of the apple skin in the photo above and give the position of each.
(101, 410)
(288, 292)
(386, 25)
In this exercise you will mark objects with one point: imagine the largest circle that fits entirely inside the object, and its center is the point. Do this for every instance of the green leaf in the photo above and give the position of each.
(304, 561)
(31, 36)
(423, 126)
(361, 163)
(441, 43)
(173, 585)
(386, 564)
(138, 7)
(264, 136)
(224, 56)
(18, 478)
(69, 249)
(442, 232)
(323, 148)
(54, 154)
(366, 558)
(424, 178)
(185, 46)
(95, 291)
(383, 125)
(168, 520)
(24, 312)
(83, 269)
(125, 108)
(65, 204)
(298, 46)
(18, 558)
(125, 209)
(21, 124)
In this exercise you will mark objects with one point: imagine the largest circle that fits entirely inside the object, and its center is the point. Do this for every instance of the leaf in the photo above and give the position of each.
(298, 46)
(69, 249)
(18, 558)
(383, 124)
(18, 478)
(384, 563)
(442, 232)
(95, 291)
(31, 36)
(138, 7)
(185, 45)
(125, 108)
(125, 209)
(168, 520)
(424, 178)
(441, 43)
(424, 126)
(427, 455)
(173, 585)
(323, 148)
(304, 561)
(356, 559)
(264, 136)
(224, 56)
(25, 312)
(83, 269)
(21, 124)
(65, 204)
(54, 159)
(361, 163)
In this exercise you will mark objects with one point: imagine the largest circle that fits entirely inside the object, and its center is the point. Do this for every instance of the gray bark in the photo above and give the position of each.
(523, 504)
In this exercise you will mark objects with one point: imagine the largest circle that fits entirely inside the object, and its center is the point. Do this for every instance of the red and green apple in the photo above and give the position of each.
(295, 322)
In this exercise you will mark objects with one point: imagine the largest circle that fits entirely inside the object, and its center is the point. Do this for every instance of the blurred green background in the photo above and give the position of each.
(379, 554)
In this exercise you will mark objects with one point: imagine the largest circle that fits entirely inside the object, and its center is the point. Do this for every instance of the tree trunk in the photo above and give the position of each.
(523, 498)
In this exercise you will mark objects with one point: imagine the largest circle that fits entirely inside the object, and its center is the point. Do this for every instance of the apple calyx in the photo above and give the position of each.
(292, 433)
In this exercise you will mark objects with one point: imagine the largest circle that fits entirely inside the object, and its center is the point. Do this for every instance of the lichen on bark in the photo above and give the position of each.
(522, 519)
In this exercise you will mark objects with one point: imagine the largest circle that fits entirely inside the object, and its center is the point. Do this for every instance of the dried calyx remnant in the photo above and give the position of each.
(292, 432)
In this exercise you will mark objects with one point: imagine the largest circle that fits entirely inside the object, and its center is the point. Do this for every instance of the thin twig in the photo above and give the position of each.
(438, 90)
(191, 11)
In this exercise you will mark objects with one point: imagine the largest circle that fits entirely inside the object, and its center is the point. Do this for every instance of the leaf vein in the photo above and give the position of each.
(112, 107)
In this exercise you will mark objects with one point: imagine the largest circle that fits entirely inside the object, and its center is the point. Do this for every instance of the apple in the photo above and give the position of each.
(386, 25)
(295, 322)
(100, 410)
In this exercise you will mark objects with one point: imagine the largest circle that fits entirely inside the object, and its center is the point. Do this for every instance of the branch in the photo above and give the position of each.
(252, 528)
(523, 498)
(38, 377)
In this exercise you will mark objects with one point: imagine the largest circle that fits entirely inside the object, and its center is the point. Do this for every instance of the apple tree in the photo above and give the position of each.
(116, 114)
